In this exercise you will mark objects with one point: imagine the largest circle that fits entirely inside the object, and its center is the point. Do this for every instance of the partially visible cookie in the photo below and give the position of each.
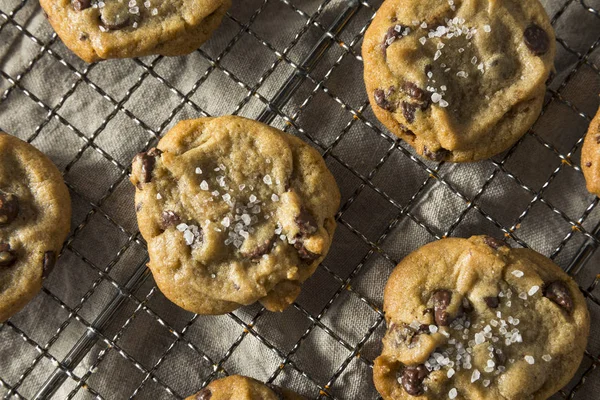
(476, 319)
(100, 29)
(233, 212)
(35, 218)
(458, 80)
(590, 156)
(238, 387)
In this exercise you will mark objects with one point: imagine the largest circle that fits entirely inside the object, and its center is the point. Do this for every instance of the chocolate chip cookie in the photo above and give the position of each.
(238, 387)
(476, 319)
(233, 212)
(99, 29)
(459, 80)
(35, 217)
(590, 156)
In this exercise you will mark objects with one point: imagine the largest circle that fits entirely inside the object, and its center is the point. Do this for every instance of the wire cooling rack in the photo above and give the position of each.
(101, 329)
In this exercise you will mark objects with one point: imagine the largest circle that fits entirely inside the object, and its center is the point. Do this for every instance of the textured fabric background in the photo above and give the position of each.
(92, 119)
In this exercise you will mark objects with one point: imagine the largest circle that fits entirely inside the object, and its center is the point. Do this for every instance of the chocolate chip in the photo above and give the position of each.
(438, 155)
(588, 164)
(537, 40)
(277, 391)
(169, 218)
(79, 5)
(303, 253)
(306, 222)
(412, 379)
(393, 33)
(415, 92)
(492, 301)
(204, 394)
(408, 110)
(114, 16)
(148, 161)
(261, 250)
(383, 101)
(441, 301)
(9, 208)
(494, 243)
(7, 256)
(558, 292)
(48, 263)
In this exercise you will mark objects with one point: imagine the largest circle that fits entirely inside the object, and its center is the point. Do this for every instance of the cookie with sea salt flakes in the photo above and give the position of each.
(459, 80)
(234, 212)
(35, 218)
(238, 387)
(100, 29)
(476, 319)
(590, 156)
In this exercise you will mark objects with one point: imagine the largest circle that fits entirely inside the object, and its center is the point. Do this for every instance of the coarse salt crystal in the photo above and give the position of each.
(198, 171)
(252, 198)
(450, 373)
(246, 219)
(204, 185)
(487, 28)
(422, 40)
(436, 97)
(475, 375)
(189, 237)
(274, 197)
(517, 273)
(226, 222)
(530, 360)
(181, 227)
(546, 357)
(486, 383)
(267, 179)
(158, 196)
(443, 103)
(452, 393)
(433, 328)
(437, 55)
(533, 290)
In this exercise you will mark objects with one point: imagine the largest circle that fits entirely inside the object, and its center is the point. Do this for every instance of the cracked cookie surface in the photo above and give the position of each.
(35, 217)
(100, 29)
(233, 212)
(458, 80)
(590, 156)
(238, 387)
(476, 319)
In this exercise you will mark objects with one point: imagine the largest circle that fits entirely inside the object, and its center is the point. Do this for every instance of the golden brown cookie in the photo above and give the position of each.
(458, 80)
(35, 217)
(590, 156)
(234, 212)
(238, 387)
(99, 29)
(476, 319)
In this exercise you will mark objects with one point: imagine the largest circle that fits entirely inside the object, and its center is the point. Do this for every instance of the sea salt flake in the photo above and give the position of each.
(422, 40)
(436, 97)
(475, 375)
(450, 373)
(198, 171)
(487, 28)
(533, 290)
(204, 185)
(437, 55)
(189, 237)
(158, 196)
(517, 273)
(252, 198)
(452, 393)
(181, 227)
(443, 103)
(530, 360)
(226, 222)
(486, 383)
(433, 328)
(274, 197)
(547, 357)
(267, 179)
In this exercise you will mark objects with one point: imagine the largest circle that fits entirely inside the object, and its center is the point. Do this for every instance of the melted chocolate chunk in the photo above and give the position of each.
(382, 100)
(9, 208)
(408, 110)
(438, 155)
(303, 253)
(79, 5)
(537, 40)
(148, 161)
(441, 301)
(494, 243)
(306, 222)
(7, 256)
(169, 218)
(415, 92)
(261, 250)
(558, 292)
(114, 16)
(204, 394)
(48, 263)
(492, 301)
(392, 34)
(412, 379)
(406, 334)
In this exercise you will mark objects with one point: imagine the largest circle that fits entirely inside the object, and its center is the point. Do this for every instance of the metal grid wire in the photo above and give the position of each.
(41, 357)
